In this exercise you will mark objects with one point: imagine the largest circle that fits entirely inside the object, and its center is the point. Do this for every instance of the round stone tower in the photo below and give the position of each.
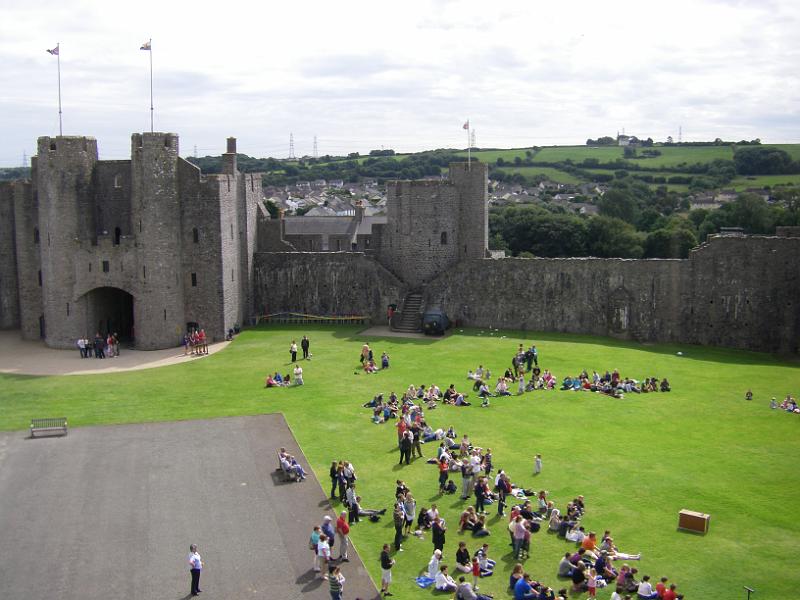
(65, 166)
(156, 218)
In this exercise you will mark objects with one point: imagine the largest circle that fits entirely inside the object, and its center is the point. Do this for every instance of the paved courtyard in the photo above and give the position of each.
(109, 512)
(32, 357)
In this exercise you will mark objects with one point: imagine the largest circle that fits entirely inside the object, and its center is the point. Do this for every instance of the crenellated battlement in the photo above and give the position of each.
(174, 244)
(67, 147)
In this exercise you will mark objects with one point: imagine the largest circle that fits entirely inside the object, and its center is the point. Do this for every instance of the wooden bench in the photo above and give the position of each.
(287, 474)
(51, 425)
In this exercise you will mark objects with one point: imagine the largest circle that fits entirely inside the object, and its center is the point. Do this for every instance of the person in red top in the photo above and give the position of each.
(343, 533)
(589, 544)
(444, 471)
(201, 338)
(670, 594)
(401, 429)
(661, 587)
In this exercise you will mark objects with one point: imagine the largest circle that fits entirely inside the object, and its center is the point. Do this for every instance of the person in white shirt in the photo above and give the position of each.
(195, 566)
(645, 590)
(443, 582)
(324, 554)
(298, 375)
(466, 591)
(433, 564)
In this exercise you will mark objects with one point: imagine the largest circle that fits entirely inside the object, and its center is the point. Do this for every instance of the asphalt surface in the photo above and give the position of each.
(109, 512)
(32, 357)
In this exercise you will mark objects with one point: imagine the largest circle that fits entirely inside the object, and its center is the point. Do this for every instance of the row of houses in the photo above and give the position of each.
(714, 200)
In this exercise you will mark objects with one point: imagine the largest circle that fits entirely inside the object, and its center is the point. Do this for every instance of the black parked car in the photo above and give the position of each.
(435, 321)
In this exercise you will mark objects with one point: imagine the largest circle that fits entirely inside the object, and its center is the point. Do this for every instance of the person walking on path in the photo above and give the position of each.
(343, 532)
(387, 562)
(304, 344)
(195, 566)
(293, 351)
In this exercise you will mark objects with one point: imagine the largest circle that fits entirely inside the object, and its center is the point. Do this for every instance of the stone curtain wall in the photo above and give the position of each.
(324, 283)
(736, 292)
(745, 294)
(622, 298)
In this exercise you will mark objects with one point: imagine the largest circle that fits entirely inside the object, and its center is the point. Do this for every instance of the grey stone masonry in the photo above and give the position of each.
(434, 224)
(152, 245)
(146, 246)
(9, 288)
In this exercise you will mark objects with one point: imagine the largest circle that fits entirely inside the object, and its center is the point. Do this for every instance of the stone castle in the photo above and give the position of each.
(143, 247)
(149, 247)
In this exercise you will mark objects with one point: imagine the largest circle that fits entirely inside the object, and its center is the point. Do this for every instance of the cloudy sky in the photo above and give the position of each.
(403, 75)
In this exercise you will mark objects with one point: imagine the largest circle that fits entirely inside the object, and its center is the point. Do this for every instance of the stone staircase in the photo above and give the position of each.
(410, 318)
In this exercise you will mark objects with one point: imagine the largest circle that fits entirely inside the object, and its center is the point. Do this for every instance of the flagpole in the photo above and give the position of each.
(58, 57)
(151, 84)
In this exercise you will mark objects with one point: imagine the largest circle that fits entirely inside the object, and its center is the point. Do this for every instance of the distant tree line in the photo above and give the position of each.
(634, 222)
(11, 173)
(611, 141)
(385, 165)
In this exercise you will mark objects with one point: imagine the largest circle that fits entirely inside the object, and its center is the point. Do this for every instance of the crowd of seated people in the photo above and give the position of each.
(789, 404)
(368, 363)
(591, 564)
(613, 384)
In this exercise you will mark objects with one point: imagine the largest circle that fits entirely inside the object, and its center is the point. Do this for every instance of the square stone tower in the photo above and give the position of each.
(432, 225)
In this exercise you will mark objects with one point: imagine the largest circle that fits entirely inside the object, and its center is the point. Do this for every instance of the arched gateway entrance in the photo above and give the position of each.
(110, 310)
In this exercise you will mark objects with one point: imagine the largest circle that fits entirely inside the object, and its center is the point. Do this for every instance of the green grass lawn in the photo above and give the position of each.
(491, 156)
(759, 181)
(675, 155)
(552, 174)
(578, 153)
(638, 460)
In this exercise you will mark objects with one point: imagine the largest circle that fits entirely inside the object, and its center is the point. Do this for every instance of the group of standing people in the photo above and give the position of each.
(195, 342)
(321, 544)
(99, 346)
(305, 344)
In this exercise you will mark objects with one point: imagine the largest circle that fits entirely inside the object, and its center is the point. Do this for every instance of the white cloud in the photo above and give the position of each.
(361, 75)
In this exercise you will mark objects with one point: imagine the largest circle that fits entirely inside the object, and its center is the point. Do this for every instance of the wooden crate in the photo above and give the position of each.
(690, 520)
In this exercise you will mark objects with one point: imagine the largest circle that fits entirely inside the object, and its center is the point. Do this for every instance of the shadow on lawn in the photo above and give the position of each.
(690, 351)
(20, 377)
(388, 339)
